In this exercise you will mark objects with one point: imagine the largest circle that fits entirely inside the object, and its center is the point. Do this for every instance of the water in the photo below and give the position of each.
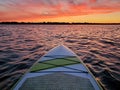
(97, 45)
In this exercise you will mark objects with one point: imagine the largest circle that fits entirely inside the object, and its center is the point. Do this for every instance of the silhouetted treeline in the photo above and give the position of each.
(60, 23)
(34, 23)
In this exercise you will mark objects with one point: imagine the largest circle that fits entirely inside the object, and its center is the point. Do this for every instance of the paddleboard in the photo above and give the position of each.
(59, 69)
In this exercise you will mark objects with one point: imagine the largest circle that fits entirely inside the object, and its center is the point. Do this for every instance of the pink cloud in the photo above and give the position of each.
(30, 9)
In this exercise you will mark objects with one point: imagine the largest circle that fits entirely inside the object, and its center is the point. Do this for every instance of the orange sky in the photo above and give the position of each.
(60, 11)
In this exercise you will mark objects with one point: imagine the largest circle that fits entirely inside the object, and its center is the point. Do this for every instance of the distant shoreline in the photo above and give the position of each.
(54, 23)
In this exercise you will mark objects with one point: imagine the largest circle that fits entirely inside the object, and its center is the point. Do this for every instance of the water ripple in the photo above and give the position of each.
(97, 45)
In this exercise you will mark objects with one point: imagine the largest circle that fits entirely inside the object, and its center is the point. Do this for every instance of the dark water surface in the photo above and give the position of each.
(97, 45)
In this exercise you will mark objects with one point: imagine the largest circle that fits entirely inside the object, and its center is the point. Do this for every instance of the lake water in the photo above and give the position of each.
(98, 46)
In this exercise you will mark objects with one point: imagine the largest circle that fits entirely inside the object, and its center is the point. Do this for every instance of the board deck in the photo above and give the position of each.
(59, 69)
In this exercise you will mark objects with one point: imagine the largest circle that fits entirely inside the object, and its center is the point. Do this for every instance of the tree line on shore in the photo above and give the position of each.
(59, 23)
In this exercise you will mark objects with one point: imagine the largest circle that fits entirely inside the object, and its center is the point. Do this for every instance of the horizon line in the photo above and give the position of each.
(15, 22)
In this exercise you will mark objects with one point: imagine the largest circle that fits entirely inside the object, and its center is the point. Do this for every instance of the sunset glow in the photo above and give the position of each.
(103, 11)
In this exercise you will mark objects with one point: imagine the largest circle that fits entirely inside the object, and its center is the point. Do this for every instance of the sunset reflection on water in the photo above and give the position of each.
(97, 45)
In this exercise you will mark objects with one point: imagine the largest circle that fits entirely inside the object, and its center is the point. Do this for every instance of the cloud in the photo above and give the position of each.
(27, 9)
(93, 1)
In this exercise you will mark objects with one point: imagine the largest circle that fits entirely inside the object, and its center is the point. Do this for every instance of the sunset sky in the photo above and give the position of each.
(95, 11)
